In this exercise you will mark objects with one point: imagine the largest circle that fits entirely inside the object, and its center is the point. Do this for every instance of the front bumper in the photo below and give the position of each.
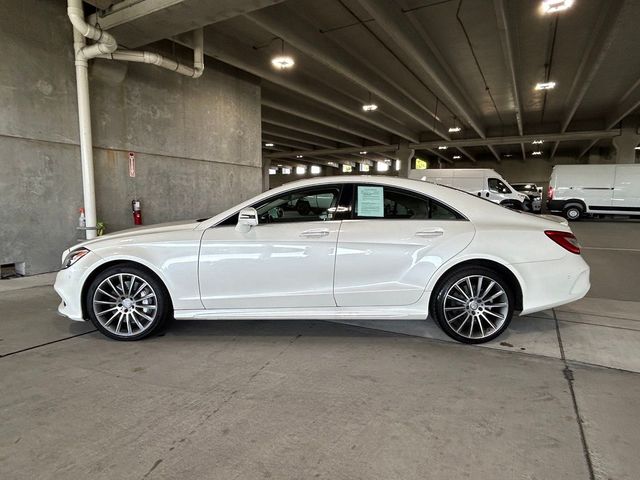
(68, 286)
(553, 283)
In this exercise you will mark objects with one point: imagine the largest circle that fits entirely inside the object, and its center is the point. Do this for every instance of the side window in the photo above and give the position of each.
(497, 186)
(373, 201)
(307, 205)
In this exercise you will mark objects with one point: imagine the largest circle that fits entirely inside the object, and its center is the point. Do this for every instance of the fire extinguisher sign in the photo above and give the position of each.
(132, 164)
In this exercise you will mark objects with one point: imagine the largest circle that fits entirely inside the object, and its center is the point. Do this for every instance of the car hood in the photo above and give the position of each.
(138, 231)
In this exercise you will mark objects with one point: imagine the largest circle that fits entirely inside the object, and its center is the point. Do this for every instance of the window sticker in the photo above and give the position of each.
(370, 201)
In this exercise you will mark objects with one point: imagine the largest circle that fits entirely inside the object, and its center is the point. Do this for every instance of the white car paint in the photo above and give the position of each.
(323, 268)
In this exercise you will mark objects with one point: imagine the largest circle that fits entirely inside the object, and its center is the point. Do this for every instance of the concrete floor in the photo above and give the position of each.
(555, 397)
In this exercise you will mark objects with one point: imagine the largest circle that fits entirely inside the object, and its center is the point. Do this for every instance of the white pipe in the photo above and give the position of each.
(106, 47)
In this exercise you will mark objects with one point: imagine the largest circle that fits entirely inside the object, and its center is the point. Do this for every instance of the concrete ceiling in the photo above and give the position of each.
(428, 64)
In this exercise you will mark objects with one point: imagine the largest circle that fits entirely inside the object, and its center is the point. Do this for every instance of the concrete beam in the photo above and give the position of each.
(305, 37)
(135, 23)
(297, 136)
(231, 51)
(282, 119)
(303, 108)
(389, 17)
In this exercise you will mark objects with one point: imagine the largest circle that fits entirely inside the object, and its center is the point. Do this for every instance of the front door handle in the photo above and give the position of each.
(436, 232)
(315, 233)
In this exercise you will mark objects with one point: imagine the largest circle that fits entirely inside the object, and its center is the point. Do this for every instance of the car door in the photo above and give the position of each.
(287, 260)
(497, 190)
(393, 244)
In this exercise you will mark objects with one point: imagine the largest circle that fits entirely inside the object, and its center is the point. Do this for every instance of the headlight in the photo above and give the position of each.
(73, 256)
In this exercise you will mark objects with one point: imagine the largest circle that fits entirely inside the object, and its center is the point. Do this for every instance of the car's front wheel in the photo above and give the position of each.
(473, 305)
(125, 302)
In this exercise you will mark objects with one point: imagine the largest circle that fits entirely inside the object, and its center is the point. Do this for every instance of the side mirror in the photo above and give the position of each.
(247, 218)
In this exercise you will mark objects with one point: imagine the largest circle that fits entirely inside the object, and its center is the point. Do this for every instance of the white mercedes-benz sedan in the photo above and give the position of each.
(345, 247)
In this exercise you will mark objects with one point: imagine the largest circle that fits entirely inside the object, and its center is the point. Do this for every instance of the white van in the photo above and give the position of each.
(577, 190)
(483, 182)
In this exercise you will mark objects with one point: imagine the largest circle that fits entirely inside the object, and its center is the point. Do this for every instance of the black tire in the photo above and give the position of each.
(447, 285)
(160, 302)
(573, 212)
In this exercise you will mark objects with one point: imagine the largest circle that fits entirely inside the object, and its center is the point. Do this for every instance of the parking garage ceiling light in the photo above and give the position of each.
(283, 62)
(364, 152)
(370, 106)
(545, 85)
(455, 129)
(537, 142)
(442, 147)
(457, 157)
(537, 152)
(268, 145)
(299, 156)
(554, 6)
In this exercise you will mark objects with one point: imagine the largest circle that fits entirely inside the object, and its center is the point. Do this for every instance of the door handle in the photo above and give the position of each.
(437, 232)
(321, 232)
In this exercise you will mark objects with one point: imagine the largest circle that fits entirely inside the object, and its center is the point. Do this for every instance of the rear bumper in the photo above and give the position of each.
(553, 283)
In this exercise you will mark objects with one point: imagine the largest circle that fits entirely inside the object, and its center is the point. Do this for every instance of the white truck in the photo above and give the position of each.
(577, 190)
(483, 182)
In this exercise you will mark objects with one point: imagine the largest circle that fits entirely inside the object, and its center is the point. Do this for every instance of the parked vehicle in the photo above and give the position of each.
(578, 190)
(533, 192)
(483, 182)
(382, 248)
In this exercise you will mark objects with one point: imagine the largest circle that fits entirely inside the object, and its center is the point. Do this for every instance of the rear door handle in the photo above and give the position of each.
(314, 233)
(436, 232)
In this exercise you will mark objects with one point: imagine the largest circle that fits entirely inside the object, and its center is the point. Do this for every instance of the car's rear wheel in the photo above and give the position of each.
(127, 303)
(473, 305)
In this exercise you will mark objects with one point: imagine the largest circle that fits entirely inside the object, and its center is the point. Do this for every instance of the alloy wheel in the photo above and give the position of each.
(125, 304)
(476, 306)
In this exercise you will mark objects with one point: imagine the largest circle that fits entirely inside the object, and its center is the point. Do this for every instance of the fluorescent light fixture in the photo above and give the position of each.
(442, 147)
(364, 152)
(299, 156)
(553, 6)
(347, 168)
(382, 166)
(369, 107)
(537, 142)
(637, 148)
(455, 129)
(315, 170)
(301, 170)
(457, 157)
(507, 155)
(273, 171)
(268, 145)
(283, 62)
(545, 85)
(286, 171)
(537, 152)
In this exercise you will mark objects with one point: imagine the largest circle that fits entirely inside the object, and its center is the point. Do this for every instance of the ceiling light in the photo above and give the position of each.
(299, 156)
(537, 152)
(268, 145)
(282, 62)
(507, 155)
(457, 157)
(553, 6)
(537, 142)
(364, 152)
(369, 107)
(442, 147)
(637, 148)
(454, 129)
(545, 85)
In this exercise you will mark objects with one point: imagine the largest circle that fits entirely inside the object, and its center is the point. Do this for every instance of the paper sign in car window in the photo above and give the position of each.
(370, 201)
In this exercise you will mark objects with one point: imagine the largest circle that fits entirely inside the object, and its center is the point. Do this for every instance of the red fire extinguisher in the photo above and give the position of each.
(136, 208)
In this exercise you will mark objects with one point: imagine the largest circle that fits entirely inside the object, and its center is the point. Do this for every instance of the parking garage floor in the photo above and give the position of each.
(555, 397)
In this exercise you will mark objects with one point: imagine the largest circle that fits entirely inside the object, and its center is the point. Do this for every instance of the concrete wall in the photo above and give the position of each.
(197, 142)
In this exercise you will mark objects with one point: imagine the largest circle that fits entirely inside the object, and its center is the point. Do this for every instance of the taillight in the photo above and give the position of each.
(550, 193)
(566, 240)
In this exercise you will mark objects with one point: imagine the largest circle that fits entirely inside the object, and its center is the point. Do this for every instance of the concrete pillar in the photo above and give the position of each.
(404, 154)
(626, 144)
(266, 164)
